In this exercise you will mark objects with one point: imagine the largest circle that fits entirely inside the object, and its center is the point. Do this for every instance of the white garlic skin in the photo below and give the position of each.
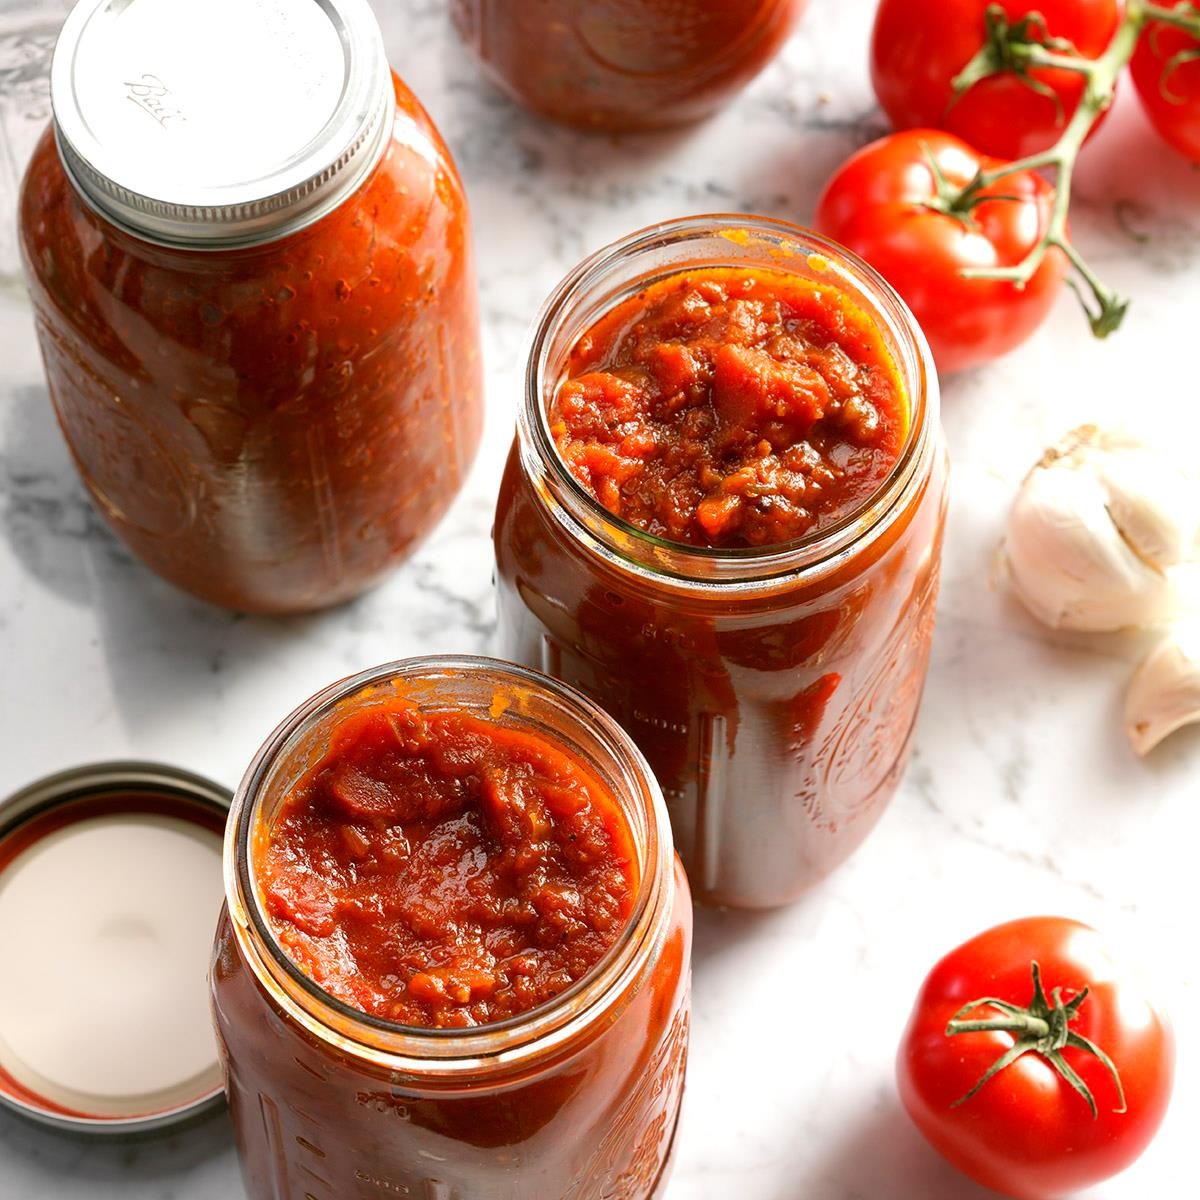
(1097, 531)
(1164, 694)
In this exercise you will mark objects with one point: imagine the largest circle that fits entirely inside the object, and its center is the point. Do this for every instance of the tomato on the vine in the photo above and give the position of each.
(888, 204)
(919, 46)
(1166, 72)
(1033, 1063)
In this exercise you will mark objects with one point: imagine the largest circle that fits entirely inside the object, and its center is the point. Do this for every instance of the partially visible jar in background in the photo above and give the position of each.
(249, 258)
(624, 65)
(773, 681)
(577, 1098)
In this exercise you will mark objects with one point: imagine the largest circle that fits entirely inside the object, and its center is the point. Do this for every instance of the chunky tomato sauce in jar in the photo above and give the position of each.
(455, 954)
(730, 407)
(254, 295)
(618, 65)
(722, 520)
(438, 869)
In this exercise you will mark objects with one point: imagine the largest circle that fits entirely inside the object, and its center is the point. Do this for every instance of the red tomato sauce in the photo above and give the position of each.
(622, 65)
(730, 407)
(438, 870)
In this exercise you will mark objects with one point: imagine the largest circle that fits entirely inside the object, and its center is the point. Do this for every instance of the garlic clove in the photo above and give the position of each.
(1152, 504)
(1068, 561)
(1184, 581)
(1097, 530)
(1164, 694)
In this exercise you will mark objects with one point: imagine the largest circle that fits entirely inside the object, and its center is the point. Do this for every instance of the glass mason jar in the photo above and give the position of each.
(773, 690)
(254, 294)
(576, 1099)
(623, 65)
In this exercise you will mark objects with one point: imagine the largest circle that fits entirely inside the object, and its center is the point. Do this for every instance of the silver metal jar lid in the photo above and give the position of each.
(219, 123)
(99, 867)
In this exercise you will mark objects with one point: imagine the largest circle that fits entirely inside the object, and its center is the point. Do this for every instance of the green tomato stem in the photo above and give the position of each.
(1182, 16)
(1010, 47)
(1042, 1027)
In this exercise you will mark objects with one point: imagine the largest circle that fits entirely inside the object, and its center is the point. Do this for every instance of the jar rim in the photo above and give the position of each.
(683, 564)
(418, 1047)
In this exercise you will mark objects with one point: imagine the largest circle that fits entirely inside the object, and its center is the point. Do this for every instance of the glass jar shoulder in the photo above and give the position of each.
(537, 544)
(355, 277)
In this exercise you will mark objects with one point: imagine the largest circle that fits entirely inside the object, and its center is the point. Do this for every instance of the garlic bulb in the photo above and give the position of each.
(1164, 694)
(1099, 531)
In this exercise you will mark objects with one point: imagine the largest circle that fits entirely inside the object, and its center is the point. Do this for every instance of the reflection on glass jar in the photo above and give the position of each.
(624, 64)
(258, 320)
(773, 689)
(575, 1100)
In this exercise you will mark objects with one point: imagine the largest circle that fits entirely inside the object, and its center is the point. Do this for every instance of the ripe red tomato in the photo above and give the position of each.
(919, 46)
(1166, 73)
(1026, 1132)
(882, 204)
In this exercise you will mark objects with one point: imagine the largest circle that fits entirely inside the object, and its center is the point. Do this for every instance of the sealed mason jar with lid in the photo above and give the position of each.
(618, 65)
(773, 681)
(411, 996)
(249, 258)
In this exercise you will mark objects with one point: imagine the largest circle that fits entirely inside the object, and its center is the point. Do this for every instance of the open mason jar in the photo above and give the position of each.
(773, 689)
(624, 65)
(578, 1098)
(254, 294)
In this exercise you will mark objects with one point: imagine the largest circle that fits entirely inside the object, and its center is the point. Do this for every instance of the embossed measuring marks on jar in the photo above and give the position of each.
(431, 1189)
(304, 1168)
(120, 451)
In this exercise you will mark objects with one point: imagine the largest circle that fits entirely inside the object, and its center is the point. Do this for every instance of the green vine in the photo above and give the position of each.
(1019, 47)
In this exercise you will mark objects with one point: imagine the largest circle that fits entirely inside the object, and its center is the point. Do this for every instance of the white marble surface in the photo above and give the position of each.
(1023, 796)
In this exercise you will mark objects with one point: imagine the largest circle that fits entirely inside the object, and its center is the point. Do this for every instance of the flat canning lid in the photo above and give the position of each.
(110, 890)
(222, 123)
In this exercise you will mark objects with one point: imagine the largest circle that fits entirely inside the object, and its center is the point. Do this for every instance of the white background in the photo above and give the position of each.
(1023, 796)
